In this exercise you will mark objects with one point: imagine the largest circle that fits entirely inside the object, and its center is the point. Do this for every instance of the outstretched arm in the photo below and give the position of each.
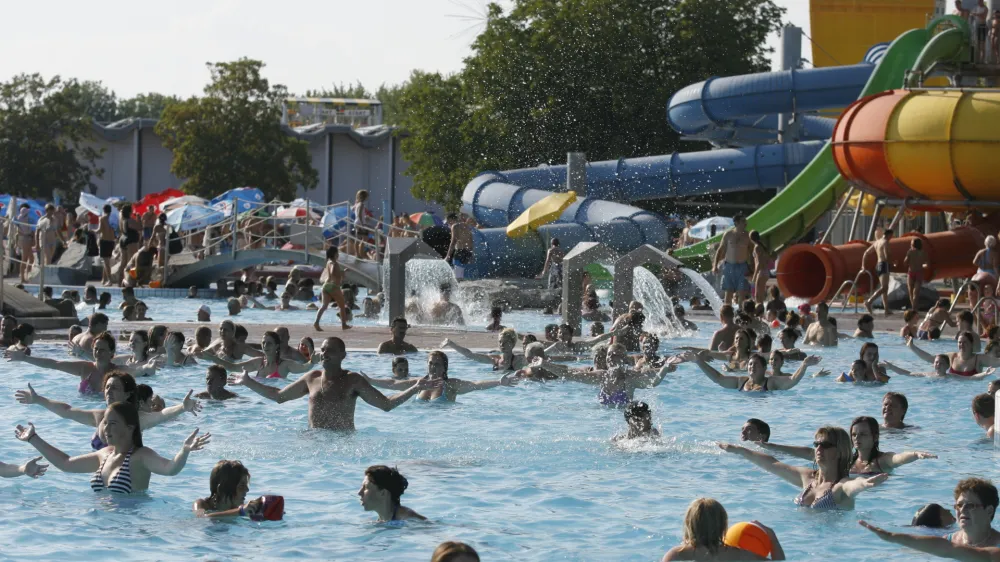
(889, 461)
(725, 381)
(895, 369)
(938, 546)
(61, 409)
(793, 450)
(89, 462)
(855, 486)
(462, 387)
(297, 389)
(651, 381)
(30, 468)
(371, 395)
(790, 474)
(464, 352)
(172, 467)
(153, 419)
(229, 365)
(77, 368)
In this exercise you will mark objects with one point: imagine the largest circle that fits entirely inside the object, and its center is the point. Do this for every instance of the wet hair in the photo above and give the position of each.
(224, 480)
(907, 317)
(759, 358)
(865, 319)
(104, 298)
(156, 336)
(145, 348)
(917, 244)
(865, 347)
(762, 428)
(451, 551)
(130, 414)
(983, 405)
(943, 303)
(705, 523)
(637, 317)
(22, 331)
(597, 329)
(984, 490)
(555, 241)
(107, 338)
(601, 356)
(128, 313)
(331, 254)
(842, 442)
(98, 318)
(888, 232)
(636, 409)
(929, 515)
(791, 319)
(128, 385)
(176, 336)
(779, 354)
(399, 360)
(749, 306)
(203, 331)
(277, 339)
(790, 333)
(399, 319)
(143, 392)
(241, 332)
(388, 479)
(873, 427)
(216, 371)
(764, 341)
(528, 339)
(903, 402)
(739, 217)
(727, 312)
(966, 316)
(532, 350)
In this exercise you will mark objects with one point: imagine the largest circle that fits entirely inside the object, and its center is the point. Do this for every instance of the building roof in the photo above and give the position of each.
(366, 137)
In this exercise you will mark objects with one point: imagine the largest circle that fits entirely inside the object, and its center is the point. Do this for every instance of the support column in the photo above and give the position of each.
(576, 173)
(790, 55)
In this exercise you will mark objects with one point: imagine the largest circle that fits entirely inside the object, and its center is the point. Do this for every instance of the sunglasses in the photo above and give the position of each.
(822, 445)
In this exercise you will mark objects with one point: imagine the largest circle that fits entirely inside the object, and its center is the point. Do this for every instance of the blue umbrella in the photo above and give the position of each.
(334, 220)
(193, 217)
(249, 198)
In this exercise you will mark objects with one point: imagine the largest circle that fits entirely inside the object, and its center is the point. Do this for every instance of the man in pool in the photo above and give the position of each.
(640, 423)
(83, 344)
(397, 345)
(821, 332)
(755, 430)
(788, 349)
(723, 337)
(332, 391)
(446, 312)
(894, 407)
(204, 313)
(565, 343)
(381, 491)
(215, 382)
(983, 409)
(866, 326)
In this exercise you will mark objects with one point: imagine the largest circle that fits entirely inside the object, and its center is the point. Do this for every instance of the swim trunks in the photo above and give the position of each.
(734, 277)
(463, 256)
(107, 247)
(882, 268)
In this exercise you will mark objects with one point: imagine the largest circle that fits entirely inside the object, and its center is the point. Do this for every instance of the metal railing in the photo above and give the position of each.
(853, 284)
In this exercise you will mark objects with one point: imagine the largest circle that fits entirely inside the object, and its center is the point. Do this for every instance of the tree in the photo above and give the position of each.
(341, 91)
(91, 99)
(389, 96)
(549, 77)
(146, 106)
(44, 138)
(445, 142)
(232, 136)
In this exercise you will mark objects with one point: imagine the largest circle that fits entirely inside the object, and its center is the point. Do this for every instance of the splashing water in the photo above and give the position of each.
(424, 279)
(658, 307)
(706, 288)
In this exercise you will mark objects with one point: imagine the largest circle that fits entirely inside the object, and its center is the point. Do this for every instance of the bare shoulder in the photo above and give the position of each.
(678, 553)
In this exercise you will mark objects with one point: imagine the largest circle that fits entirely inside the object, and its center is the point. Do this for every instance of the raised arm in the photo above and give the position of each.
(77, 368)
(172, 467)
(464, 352)
(938, 546)
(61, 409)
(805, 453)
(920, 353)
(786, 383)
(788, 473)
(229, 365)
(895, 369)
(393, 384)
(89, 462)
(153, 419)
(297, 389)
(653, 380)
(598, 339)
(292, 367)
(725, 381)
(889, 461)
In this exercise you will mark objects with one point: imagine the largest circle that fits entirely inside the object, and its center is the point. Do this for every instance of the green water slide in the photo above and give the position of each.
(792, 212)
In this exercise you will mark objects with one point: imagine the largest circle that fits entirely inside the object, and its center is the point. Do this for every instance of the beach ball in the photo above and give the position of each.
(748, 536)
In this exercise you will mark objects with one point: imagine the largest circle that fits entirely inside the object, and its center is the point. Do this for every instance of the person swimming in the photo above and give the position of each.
(640, 423)
(381, 491)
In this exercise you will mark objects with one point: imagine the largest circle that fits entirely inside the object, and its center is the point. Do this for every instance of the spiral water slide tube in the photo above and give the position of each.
(738, 110)
(793, 211)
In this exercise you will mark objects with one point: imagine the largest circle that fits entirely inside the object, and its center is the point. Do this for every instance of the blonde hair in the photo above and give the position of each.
(361, 195)
(842, 442)
(452, 550)
(705, 524)
(509, 336)
(991, 241)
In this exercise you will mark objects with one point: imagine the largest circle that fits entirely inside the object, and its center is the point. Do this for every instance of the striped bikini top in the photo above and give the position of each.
(825, 501)
(121, 481)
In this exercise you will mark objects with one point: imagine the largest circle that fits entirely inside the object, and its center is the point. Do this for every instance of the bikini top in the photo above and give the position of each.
(743, 387)
(823, 502)
(121, 480)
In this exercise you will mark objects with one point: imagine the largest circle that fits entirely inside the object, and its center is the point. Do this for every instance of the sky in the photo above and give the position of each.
(137, 46)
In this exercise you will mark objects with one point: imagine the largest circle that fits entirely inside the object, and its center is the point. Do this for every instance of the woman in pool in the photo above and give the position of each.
(705, 525)
(874, 371)
(437, 369)
(619, 381)
(118, 387)
(125, 465)
(964, 362)
(175, 356)
(777, 361)
(91, 373)
(24, 336)
(975, 505)
(506, 361)
(736, 357)
(307, 347)
(829, 486)
(270, 366)
(30, 468)
(228, 486)
(139, 345)
(942, 369)
(867, 459)
(381, 491)
(157, 339)
(756, 379)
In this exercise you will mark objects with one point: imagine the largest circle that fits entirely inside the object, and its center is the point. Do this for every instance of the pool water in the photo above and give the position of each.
(523, 473)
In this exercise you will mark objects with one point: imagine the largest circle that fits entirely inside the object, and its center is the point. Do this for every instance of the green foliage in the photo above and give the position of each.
(341, 91)
(146, 106)
(231, 136)
(91, 99)
(549, 77)
(389, 96)
(44, 136)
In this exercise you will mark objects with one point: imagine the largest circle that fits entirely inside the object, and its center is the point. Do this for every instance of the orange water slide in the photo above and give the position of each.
(937, 146)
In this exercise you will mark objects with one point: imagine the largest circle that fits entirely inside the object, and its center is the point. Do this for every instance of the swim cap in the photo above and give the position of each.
(273, 509)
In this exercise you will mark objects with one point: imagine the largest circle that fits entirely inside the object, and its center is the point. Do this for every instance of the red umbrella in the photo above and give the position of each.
(294, 213)
(154, 200)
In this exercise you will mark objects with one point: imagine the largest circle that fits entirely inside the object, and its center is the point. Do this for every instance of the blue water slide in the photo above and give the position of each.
(743, 109)
(681, 174)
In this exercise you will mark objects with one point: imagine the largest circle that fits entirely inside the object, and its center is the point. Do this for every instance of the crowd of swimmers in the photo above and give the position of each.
(625, 359)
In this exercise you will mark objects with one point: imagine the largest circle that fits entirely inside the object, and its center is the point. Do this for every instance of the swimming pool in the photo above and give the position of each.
(523, 473)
